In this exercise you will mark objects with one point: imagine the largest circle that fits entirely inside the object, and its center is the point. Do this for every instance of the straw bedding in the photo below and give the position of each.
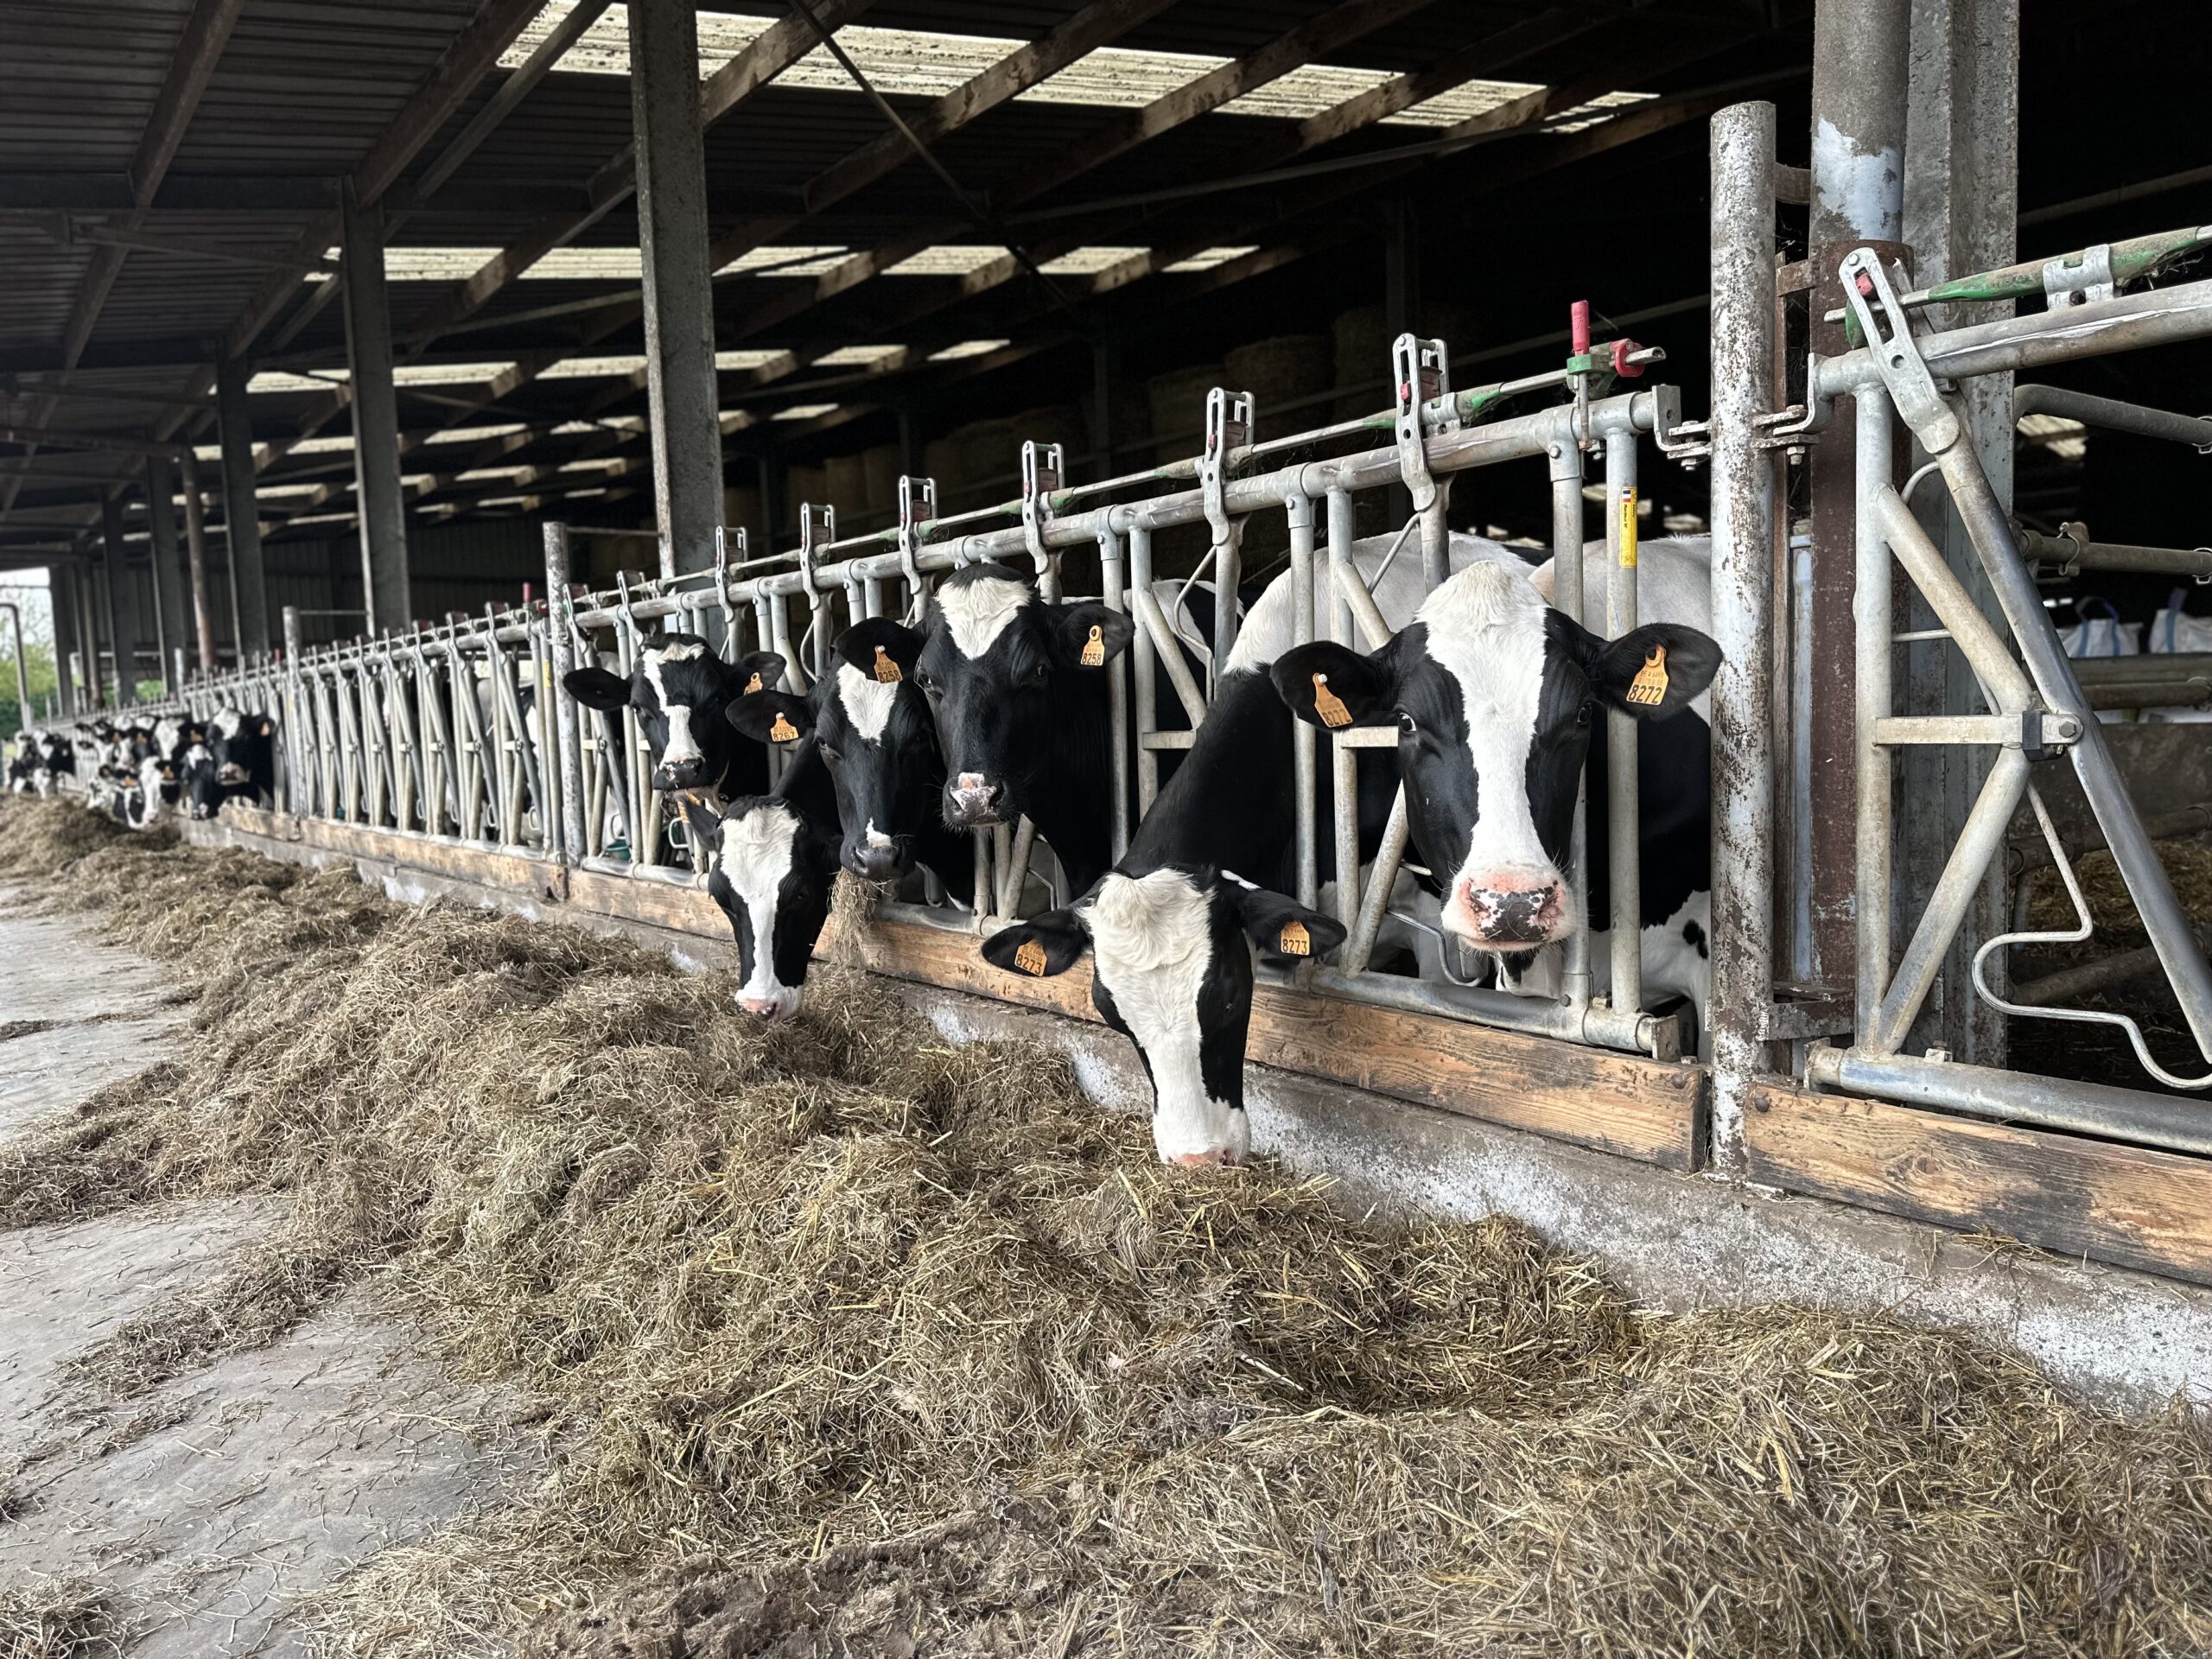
(852, 1341)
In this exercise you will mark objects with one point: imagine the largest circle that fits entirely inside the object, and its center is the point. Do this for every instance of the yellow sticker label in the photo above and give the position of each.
(1628, 529)
(1329, 705)
(752, 685)
(887, 671)
(1094, 649)
(1029, 956)
(1294, 940)
(1649, 689)
(783, 731)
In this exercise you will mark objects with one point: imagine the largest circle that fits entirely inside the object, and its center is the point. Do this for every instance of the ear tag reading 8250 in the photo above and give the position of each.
(1329, 705)
(887, 671)
(783, 731)
(1294, 940)
(1649, 689)
(1094, 649)
(1029, 956)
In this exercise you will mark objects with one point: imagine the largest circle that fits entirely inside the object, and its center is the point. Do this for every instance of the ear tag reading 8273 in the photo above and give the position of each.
(1094, 649)
(1649, 689)
(1029, 956)
(887, 671)
(1294, 940)
(783, 731)
(1329, 705)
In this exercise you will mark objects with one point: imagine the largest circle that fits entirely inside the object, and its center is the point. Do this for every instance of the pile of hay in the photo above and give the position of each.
(2188, 867)
(38, 836)
(856, 1341)
(46, 1617)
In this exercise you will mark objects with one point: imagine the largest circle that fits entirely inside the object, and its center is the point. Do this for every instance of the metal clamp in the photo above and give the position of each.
(1866, 286)
(808, 541)
(911, 521)
(1421, 375)
(2080, 278)
(1230, 421)
(1042, 468)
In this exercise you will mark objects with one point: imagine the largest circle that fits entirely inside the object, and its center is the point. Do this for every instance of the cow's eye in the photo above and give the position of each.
(1407, 724)
(828, 753)
(1043, 671)
(1582, 715)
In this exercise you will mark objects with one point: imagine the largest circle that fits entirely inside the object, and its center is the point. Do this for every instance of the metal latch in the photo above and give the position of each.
(2080, 278)
(1888, 331)
(1421, 378)
(1229, 419)
(1041, 471)
(917, 506)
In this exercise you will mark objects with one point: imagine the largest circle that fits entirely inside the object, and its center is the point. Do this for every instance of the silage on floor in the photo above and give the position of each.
(793, 1292)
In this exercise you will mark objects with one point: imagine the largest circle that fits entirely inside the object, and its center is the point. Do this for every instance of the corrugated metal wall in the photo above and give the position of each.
(456, 568)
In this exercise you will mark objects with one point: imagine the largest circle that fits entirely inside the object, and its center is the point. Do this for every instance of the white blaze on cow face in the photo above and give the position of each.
(229, 720)
(1486, 629)
(868, 702)
(1152, 948)
(757, 852)
(977, 613)
(682, 748)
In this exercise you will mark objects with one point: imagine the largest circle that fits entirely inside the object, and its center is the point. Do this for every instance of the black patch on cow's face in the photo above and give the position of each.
(888, 785)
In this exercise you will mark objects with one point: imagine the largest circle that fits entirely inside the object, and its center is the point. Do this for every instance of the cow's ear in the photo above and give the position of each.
(1089, 634)
(772, 716)
(269, 729)
(880, 648)
(1040, 947)
(1653, 671)
(1333, 686)
(595, 688)
(1284, 929)
(757, 671)
(701, 816)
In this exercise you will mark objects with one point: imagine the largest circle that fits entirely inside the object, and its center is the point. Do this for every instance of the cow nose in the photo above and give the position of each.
(767, 1007)
(678, 774)
(972, 802)
(876, 863)
(1510, 911)
(1202, 1160)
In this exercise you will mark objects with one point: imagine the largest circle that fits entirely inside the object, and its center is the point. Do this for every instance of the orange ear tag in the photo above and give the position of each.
(1094, 649)
(783, 731)
(752, 685)
(1294, 940)
(1029, 956)
(1329, 705)
(887, 671)
(1649, 689)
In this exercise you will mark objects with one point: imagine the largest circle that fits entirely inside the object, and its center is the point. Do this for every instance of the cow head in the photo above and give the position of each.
(679, 690)
(1172, 971)
(1494, 693)
(995, 656)
(772, 873)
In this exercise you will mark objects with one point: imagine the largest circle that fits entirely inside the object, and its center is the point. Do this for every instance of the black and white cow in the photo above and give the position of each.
(1495, 694)
(773, 864)
(1171, 930)
(680, 691)
(235, 759)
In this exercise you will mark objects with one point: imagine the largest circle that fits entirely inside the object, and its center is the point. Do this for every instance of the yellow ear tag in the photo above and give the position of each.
(1094, 649)
(1649, 689)
(1029, 956)
(783, 731)
(887, 671)
(1294, 940)
(752, 685)
(1329, 705)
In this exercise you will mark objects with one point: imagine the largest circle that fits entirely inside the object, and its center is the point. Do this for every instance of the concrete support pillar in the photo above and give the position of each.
(195, 545)
(122, 603)
(61, 595)
(168, 568)
(91, 618)
(679, 292)
(241, 522)
(375, 419)
(1857, 167)
(1961, 199)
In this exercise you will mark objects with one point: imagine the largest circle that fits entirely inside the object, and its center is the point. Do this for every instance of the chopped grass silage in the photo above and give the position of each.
(858, 1341)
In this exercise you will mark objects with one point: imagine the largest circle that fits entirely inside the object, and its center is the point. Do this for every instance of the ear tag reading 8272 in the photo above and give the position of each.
(783, 731)
(1329, 705)
(1094, 649)
(1649, 689)
(1294, 940)
(1029, 956)
(887, 671)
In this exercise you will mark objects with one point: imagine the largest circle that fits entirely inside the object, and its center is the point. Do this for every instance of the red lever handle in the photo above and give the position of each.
(1580, 326)
(1622, 366)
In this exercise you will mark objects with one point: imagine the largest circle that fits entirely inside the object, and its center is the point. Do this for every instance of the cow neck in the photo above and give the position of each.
(1074, 807)
(807, 788)
(1230, 803)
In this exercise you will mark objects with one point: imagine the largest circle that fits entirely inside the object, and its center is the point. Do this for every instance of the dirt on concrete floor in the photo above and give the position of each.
(189, 1520)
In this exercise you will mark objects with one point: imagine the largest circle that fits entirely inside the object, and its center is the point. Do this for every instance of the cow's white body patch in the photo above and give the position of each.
(228, 719)
(150, 792)
(977, 613)
(682, 748)
(755, 854)
(1151, 947)
(1486, 629)
(867, 701)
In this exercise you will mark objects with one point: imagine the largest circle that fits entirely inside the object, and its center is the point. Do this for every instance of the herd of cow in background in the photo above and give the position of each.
(994, 705)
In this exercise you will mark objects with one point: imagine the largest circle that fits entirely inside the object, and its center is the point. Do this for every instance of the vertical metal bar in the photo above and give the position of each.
(168, 573)
(196, 542)
(1742, 509)
(1566, 472)
(1872, 614)
(1344, 760)
(241, 521)
(1298, 508)
(1113, 589)
(384, 589)
(1144, 668)
(122, 604)
(1624, 848)
(1368, 921)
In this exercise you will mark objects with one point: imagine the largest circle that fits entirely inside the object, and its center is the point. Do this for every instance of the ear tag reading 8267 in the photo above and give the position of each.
(1094, 649)
(1294, 940)
(1329, 705)
(1649, 689)
(887, 671)
(783, 731)
(1029, 956)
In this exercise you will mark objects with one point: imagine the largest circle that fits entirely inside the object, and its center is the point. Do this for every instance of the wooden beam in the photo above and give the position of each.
(2127, 1206)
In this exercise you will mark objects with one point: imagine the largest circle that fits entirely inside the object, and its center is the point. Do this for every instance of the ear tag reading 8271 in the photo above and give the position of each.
(1029, 956)
(1094, 649)
(1329, 705)
(783, 731)
(887, 671)
(1294, 940)
(1649, 689)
